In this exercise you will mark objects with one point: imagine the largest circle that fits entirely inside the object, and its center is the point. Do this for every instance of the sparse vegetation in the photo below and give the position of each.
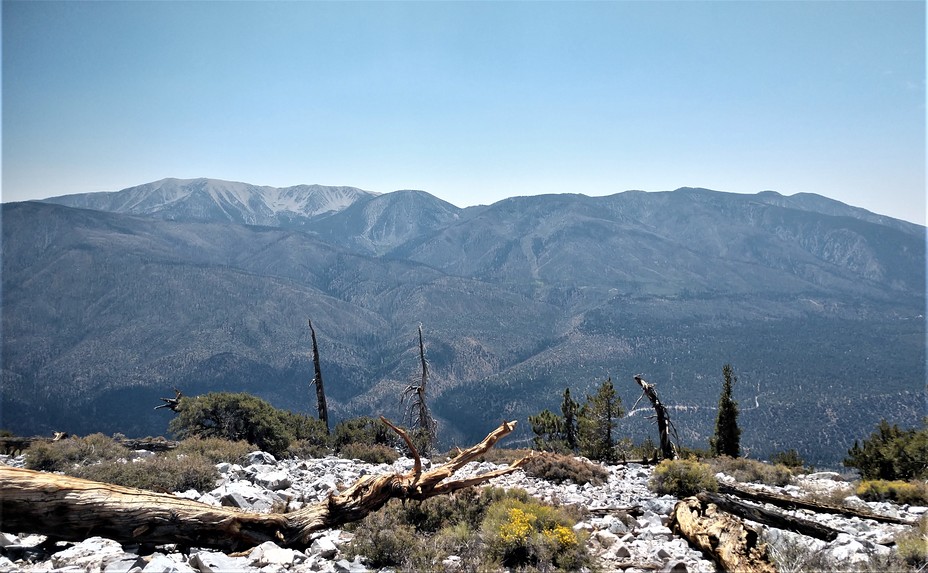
(373, 453)
(912, 493)
(559, 468)
(486, 529)
(682, 478)
(747, 470)
(214, 450)
(63, 455)
(165, 472)
(789, 458)
(912, 546)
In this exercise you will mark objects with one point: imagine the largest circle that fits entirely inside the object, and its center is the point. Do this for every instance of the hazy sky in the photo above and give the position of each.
(470, 101)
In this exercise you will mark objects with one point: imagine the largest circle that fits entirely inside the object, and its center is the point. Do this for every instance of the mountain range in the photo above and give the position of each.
(112, 299)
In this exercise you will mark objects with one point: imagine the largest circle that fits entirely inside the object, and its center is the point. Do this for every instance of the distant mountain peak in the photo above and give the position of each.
(204, 199)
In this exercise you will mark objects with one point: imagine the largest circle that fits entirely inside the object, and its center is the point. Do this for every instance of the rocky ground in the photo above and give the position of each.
(628, 523)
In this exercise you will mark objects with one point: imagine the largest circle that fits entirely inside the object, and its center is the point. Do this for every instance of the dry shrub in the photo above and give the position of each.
(912, 493)
(63, 455)
(165, 473)
(752, 471)
(558, 468)
(215, 450)
(371, 453)
(682, 478)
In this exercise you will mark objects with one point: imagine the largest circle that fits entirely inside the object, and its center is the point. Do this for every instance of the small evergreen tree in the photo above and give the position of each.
(597, 419)
(570, 409)
(727, 438)
(547, 427)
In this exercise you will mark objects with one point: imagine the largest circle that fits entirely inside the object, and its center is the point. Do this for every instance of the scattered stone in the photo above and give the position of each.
(92, 553)
(213, 562)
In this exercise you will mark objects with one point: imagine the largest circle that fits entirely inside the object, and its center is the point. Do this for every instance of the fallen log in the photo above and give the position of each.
(733, 544)
(770, 517)
(68, 508)
(788, 502)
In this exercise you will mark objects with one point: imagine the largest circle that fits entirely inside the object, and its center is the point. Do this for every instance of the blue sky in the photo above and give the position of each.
(470, 101)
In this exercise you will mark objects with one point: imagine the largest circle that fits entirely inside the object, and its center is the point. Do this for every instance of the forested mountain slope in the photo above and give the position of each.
(819, 307)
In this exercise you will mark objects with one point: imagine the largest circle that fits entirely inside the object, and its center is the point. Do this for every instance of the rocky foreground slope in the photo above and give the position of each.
(627, 523)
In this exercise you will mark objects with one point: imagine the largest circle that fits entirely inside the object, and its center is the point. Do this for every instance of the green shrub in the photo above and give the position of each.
(383, 538)
(745, 470)
(529, 533)
(558, 468)
(372, 453)
(62, 455)
(419, 536)
(362, 430)
(682, 478)
(789, 458)
(234, 417)
(215, 450)
(912, 493)
(165, 473)
(891, 453)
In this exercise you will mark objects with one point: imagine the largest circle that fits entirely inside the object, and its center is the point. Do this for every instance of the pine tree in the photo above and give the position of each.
(727, 438)
(569, 410)
(547, 427)
(598, 418)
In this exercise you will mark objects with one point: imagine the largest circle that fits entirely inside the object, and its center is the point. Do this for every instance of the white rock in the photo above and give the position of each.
(211, 562)
(606, 538)
(91, 553)
(161, 563)
(324, 547)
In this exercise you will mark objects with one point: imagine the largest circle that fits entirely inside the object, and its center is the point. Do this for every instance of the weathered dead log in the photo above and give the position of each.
(733, 544)
(73, 509)
(788, 502)
(770, 517)
(664, 425)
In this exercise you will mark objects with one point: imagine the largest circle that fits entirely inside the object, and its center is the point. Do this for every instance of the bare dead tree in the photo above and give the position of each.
(417, 410)
(171, 403)
(317, 381)
(69, 508)
(664, 425)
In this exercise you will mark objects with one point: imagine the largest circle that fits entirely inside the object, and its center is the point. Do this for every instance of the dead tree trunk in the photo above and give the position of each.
(770, 517)
(69, 508)
(731, 543)
(788, 502)
(317, 381)
(664, 426)
(418, 412)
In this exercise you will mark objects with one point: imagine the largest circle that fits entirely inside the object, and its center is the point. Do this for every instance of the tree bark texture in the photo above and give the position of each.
(68, 508)
(731, 543)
